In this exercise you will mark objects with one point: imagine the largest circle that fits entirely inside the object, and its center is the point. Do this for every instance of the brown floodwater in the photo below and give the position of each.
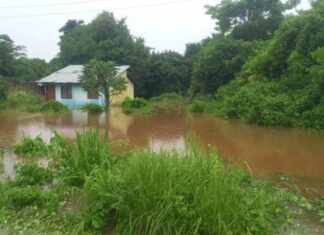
(265, 151)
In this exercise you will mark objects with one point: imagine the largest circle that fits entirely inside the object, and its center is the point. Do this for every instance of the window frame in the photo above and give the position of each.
(66, 92)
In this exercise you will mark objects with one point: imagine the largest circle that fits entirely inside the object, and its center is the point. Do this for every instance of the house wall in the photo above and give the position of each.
(80, 96)
(128, 93)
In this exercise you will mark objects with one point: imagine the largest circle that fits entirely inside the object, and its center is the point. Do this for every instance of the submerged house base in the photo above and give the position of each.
(64, 86)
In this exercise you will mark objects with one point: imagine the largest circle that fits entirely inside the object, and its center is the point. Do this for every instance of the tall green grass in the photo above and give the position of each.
(170, 193)
(87, 188)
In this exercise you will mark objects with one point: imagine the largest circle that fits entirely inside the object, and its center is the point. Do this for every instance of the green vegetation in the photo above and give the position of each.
(282, 84)
(22, 101)
(32, 174)
(107, 80)
(86, 188)
(31, 147)
(53, 106)
(1, 166)
(92, 108)
(166, 102)
(136, 106)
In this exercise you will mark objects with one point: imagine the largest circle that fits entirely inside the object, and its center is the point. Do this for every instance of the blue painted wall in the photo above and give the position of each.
(79, 97)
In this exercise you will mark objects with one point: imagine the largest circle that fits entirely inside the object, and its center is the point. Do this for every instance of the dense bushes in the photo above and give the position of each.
(283, 84)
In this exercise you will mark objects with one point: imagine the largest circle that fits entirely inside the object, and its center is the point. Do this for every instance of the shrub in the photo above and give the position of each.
(24, 101)
(32, 174)
(92, 108)
(197, 106)
(31, 147)
(136, 105)
(53, 106)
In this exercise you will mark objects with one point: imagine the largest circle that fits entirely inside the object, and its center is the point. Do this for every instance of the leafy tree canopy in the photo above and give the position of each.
(168, 72)
(218, 62)
(249, 19)
(106, 39)
(102, 76)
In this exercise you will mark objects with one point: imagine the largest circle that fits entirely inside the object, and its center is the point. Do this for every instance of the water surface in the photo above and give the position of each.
(264, 150)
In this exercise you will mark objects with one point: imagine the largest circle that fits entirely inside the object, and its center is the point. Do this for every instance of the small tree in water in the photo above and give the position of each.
(102, 76)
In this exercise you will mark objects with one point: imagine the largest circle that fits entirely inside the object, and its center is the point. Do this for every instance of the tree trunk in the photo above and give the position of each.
(107, 97)
(107, 124)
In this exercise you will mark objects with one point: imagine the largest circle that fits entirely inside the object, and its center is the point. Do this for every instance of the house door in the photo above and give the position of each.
(50, 92)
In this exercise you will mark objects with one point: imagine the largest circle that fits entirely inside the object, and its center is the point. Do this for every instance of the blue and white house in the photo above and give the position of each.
(64, 86)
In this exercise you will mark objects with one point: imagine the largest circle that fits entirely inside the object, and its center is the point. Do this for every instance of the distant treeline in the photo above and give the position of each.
(262, 65)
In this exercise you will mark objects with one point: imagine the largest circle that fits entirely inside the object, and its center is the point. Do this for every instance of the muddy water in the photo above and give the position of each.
(266, 151)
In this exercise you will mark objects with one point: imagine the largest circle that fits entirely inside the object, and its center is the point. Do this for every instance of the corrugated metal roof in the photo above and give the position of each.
(71, 74)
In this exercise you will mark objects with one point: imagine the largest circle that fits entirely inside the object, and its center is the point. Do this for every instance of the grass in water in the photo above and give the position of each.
(31, 147)
(87, 188)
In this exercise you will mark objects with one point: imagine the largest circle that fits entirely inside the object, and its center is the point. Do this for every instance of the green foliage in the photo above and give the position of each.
(32, 174)
(250, 19)
(102, 76)
(107, 39)
(92, 108)
(30, 69)
(136, 105)
(53, 106)
(283, 84)
(198, 106)
(24, 101)
(87, 188)
(31, 147)
(8, 54)
(164, 194)
(1, 166)
(4, 86)
(168, 72)
(17, 197)
(218, 62)
(166, 102)
(80, 159)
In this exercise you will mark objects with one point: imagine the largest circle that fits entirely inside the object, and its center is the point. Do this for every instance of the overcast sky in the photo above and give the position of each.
(164, 24)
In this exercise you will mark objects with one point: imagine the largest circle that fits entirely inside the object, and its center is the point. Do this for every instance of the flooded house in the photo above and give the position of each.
(64, 86)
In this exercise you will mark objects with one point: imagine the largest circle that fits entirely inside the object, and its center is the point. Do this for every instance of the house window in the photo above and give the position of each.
(93, 94)
(66, 92)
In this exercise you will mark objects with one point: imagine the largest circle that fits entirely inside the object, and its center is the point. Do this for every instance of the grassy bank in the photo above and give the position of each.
(23, 101)
(166, 102)
(86, 188)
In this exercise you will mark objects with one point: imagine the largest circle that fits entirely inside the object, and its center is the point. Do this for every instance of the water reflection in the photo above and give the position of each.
(266, 150)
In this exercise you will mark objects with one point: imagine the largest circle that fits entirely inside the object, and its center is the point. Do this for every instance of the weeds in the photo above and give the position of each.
(32, 174)
(31, 147)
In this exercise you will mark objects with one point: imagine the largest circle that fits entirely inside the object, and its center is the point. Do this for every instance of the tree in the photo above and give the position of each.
(102, 76)
(218, 62)
(168, 72)
(106, 39)
(250, 19)
(9, 52)
(30, 69)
